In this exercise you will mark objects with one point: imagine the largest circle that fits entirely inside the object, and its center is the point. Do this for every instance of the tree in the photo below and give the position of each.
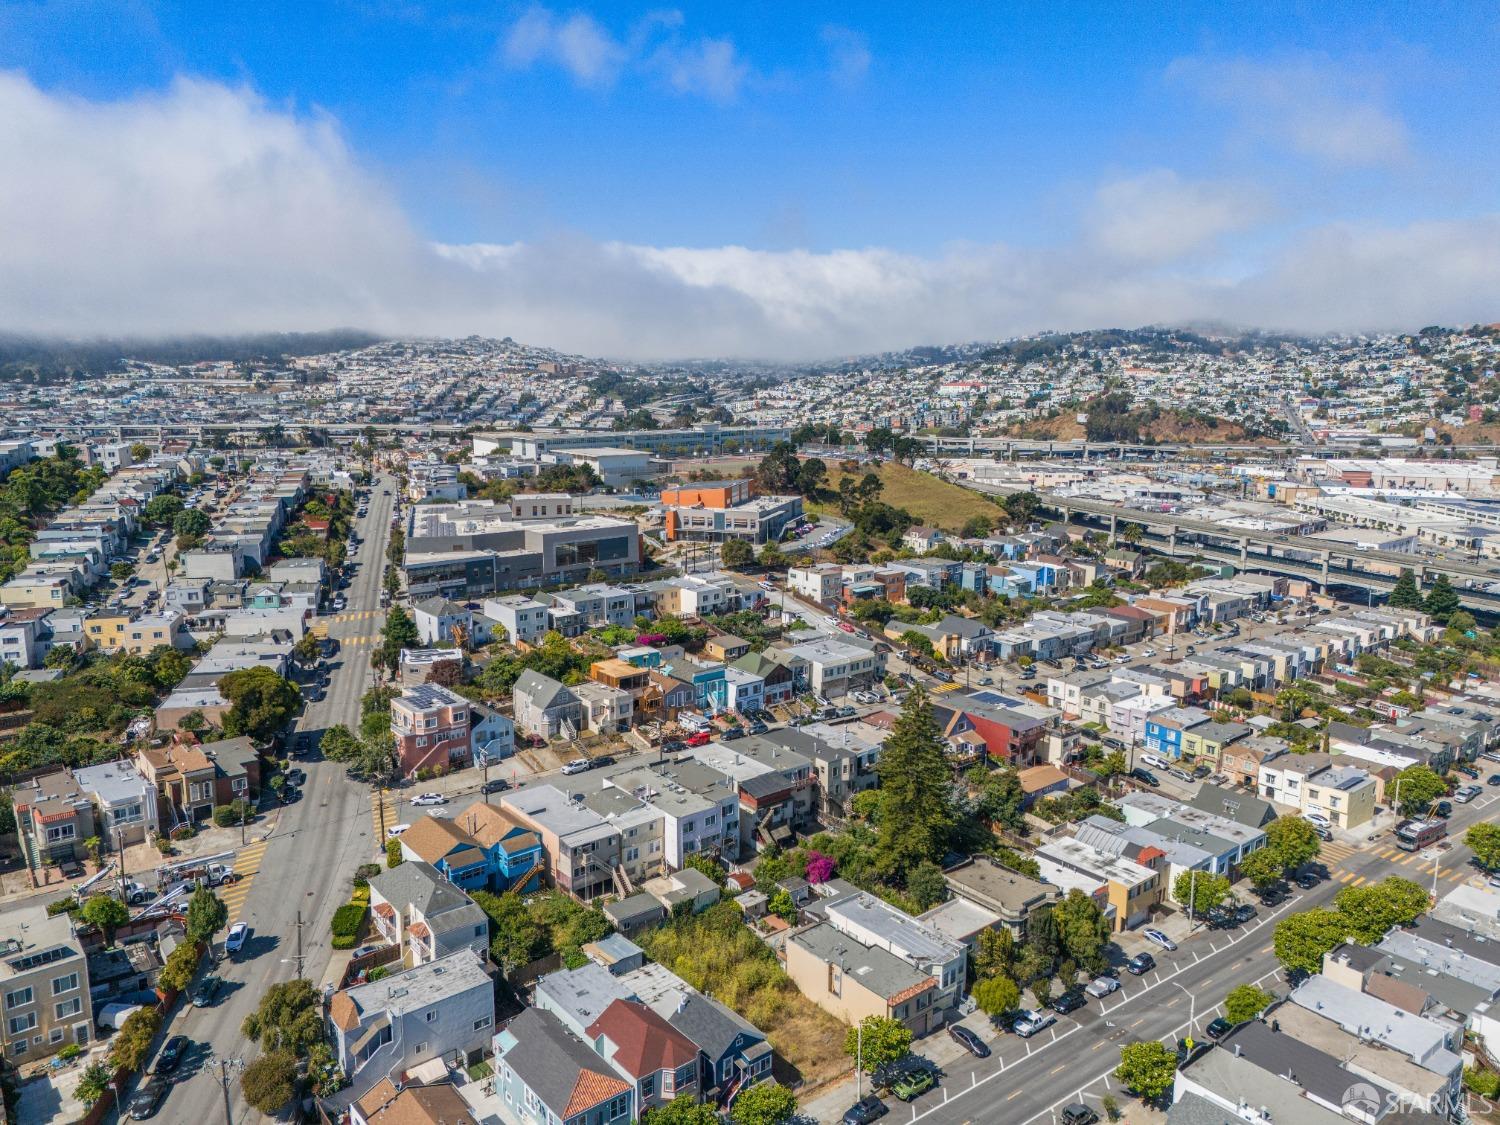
(993, 953)
(92, 1082)
(131, 1046)
(192, 722)
(1405, 595)
(878, 1042)
(977, 527)
(1294, 840)
(1263, 868)
(916, 805)
(1245, 1002)
(707, 865)
(1301, 939)
(269, 1082)
(516, 938)
(308, 648)
(399, 632)
(169, 667)
(925, 884)
(139, 451)
(261, 703)
(376, 760)
(162, 510)
(1202, 889)
(289, 1018)
(1371, 910)
(393, 856)
(772, 557)
(1417, 787)
(765, 1103)
(1147, 1069)
(736, 554)
(206, 915)
(339, 744)
(780, 904)
(180, 966)
(1001, 798)
(997, 995)
(1484, 841)
(1442, 600)
(120, 571)
(107, 912)
(190, 523)
(684, 1109)
(819, 867)
(1082, 929)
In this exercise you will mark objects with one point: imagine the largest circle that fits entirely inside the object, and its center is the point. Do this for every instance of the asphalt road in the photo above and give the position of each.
(1027, 1081)
(308, 860)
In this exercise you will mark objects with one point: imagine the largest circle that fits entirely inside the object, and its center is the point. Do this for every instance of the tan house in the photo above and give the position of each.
(44, 986)
(184, 777)
(852, 981)
(54, 816)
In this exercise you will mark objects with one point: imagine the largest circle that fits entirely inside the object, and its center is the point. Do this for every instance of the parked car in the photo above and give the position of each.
(171, 1055)
(758, 727)
(239, 933)
(1307, 880)
(145, 1101)
(1069, 1001)
(578, 765)
(733, 733)
(1467, 793)
(439, 799)
(1317, 819)
(1493, 779)
(700, 738)
(1102, 986)
(1030, 1022)
(1140, 964)
(673, 746)
(913, 1083)
(1468, 771)
(1443, 809)
(1218, 1028)
(869, 1108)
(1146, 777)
(1181, 775)
(968, 1041)
(207, 991)
(1243, 913)
(395, 830)
(1077, 1114)
(496, 785)
(1159, 938)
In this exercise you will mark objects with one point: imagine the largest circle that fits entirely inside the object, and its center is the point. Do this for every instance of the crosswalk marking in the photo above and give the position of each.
(944, 687)
(246, 866)
(387, 804)
(355, 615)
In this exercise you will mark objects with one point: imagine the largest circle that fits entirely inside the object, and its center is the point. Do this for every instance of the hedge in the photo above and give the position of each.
(350, 918)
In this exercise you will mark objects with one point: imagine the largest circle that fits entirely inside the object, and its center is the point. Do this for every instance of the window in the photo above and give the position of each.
(689, 825)
(708, 818)
(61, 832)
(56, 1035)
(19, 1048)
(648, 1086)
(481, 929)
(64, 984)
(431, 1016)
(619, 1107)
(69, 1008)
(533, 1102)
(481, 1024)
(19, 998)
(20, 1024)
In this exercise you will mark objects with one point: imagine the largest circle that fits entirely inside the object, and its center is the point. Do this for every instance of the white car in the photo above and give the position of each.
(238, 933)
(577, 765)
(1148, 652)
(1102, 986)
(1158, 938)
(430, 799)
(395, 830)
(1317, 818)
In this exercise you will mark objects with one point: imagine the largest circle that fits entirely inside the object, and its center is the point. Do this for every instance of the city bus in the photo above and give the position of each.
(1414, 835)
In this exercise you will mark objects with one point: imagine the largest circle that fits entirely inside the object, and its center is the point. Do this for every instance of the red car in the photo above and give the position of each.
(701, 738)
(846, 627)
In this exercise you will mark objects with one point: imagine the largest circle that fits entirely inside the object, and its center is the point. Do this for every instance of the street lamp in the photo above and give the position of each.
(1192, 1005)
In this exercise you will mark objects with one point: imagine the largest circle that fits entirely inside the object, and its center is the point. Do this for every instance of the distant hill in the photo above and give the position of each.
(34, 359)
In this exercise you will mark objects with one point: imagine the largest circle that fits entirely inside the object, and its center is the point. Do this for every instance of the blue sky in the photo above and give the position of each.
(793, 180)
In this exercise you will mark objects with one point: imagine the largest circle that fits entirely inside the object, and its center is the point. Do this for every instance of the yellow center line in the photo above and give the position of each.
(1057, 1068)
(1012, 1094)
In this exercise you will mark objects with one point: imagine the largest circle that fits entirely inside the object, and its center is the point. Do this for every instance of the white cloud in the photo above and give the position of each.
(576, 43)
(1158, 216)
(705, 66)
(204, 209)
(848, 56)
(1309, 104)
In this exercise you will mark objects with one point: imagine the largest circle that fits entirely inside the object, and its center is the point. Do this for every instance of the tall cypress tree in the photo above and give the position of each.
(1442, 600)
(1405, 595)
(916, 803)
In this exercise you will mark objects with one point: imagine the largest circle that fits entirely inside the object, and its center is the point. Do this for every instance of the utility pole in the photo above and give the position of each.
(227, 1070)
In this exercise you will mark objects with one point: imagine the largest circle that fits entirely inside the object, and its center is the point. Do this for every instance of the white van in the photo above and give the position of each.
(1155, 762)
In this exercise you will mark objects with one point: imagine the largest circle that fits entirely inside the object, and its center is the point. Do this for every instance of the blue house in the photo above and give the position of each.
(710, 688)
(1165, 728)
(974, 577)
(483, 849)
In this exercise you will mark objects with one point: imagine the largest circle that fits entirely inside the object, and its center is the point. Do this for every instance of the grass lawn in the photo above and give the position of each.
(932, 501)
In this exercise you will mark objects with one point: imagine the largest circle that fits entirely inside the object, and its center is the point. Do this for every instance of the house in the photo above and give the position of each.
(485, 848)
(688, 887)
(442, 1009)
(637, 912)
(732, 1052)
(820, 583)
(185, 781)
(492, 735)
(1240, 762)
(545, 1074)
(1344, 795)
(440, 621)
(1251, 811)
(415, 907)
(236, 769)
(430, 724)
(657, 1059)
(523, 619)
(1129, 890)
(725, 647)
(581, 847)
(836, 668)
(1011, 896)
(778, 682)
(605, 709)
(54, 817)
(45, 984)
(1041, 781)
(544, 708)
(124, 801)
(437, 1104)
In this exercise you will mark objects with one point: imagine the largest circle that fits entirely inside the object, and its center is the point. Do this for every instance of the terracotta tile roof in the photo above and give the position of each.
(343, 1012)
(433, 837)
(644, 1042)
(915, 990)
(438, 1104)
(591, 1089)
